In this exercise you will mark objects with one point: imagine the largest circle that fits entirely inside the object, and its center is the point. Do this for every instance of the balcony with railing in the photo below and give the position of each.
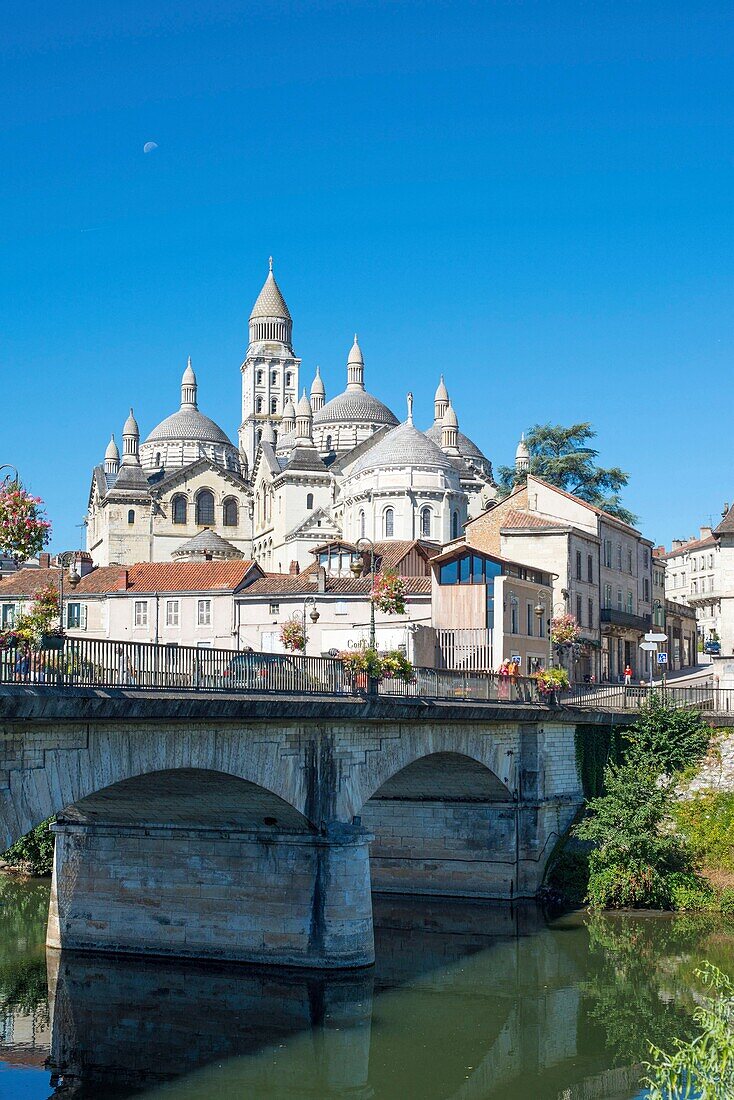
(614, 617)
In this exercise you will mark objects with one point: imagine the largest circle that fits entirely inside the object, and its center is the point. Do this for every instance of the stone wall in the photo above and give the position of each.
(717, 770)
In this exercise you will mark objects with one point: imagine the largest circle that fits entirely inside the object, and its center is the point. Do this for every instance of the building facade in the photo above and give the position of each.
(693, 576)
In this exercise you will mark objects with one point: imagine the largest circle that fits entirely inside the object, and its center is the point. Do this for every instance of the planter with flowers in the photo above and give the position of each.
(293, 635)
(23, 529)
(388, 593)
(368, 666)
(550, 682)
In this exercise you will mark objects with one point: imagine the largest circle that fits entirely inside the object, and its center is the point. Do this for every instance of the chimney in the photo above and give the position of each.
(677, 543)
(725, 509)
(44, 561)
(122, 583)
(294, 569)
(706, 533)
(321, 580)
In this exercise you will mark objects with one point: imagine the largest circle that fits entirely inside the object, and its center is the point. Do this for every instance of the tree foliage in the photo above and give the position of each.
(33, 853)
(702, 1067)
(562, 456)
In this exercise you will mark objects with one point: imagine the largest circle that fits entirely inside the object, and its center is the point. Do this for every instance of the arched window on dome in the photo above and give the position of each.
(425, 523)
(273, 404)
(131, 516)
(178, 509)
(455, 525)
(158, 460)
(231, 513)
(258, 404)
(288, 378)
(362, 527)
(309, 501)
(259, 378)
(388, 523)
(328, 443)
(258, 437)
(205, 508)
(274, 378)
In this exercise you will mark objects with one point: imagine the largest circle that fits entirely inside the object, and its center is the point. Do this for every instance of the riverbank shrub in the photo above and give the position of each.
(33, 853)
(666, 739)
(704, 1065)
(689, 892)
(707, 822)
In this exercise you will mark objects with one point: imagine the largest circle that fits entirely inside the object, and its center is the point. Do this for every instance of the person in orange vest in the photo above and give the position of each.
(627, 675)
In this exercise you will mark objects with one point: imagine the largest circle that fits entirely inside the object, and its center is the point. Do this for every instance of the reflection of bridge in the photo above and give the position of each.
(489, 997)
(214, 826)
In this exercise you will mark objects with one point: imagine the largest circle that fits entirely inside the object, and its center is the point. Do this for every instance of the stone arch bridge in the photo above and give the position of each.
(256, 828)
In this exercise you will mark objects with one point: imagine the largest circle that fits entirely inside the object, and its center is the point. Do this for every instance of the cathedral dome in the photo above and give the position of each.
(355, 406)
(467, 448)
(405, 446)
(190, 425)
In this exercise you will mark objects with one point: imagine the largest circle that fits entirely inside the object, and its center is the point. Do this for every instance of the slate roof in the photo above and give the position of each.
(467, 447)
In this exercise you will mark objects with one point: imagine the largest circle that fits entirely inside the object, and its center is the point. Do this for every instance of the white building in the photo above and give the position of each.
(693, 577)
(306, 469)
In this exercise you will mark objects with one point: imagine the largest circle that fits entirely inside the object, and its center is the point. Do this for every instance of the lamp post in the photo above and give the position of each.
(68, 557)
(539, 611)
(313, 616)
(9, 466)
(357, 568)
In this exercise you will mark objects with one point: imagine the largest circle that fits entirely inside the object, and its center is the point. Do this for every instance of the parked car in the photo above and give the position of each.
(712, 647)
(274, 672)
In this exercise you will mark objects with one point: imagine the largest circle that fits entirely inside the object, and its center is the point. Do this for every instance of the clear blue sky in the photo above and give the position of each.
(534, 199)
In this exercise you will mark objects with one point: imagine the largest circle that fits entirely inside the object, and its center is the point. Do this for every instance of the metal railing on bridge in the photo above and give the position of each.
(94, 663)
(705, 697)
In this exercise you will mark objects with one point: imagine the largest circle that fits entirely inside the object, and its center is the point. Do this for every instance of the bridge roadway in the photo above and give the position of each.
(255, 827)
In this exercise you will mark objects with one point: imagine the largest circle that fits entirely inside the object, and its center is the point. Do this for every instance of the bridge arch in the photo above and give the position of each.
(110, 755)
(445, 823)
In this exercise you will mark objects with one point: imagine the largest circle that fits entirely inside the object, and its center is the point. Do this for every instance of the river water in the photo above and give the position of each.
(467, 1001)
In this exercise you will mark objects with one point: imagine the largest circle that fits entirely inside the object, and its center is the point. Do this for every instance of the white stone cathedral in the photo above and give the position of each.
(306, 471)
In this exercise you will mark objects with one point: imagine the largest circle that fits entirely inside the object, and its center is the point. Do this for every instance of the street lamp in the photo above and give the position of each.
(357, 568)
(313, 616)
(68, 557)
(9, 466)
(540, 610)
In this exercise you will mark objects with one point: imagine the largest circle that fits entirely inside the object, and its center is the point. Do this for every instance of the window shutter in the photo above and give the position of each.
(83, 617)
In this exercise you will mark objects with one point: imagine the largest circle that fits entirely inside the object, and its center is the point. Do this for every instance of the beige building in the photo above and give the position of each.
(693, 577)
(602, 566)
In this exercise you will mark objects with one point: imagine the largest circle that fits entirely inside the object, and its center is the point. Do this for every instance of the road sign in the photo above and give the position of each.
(655, 636)
(662, 658)
(649, 647)
(516, 658)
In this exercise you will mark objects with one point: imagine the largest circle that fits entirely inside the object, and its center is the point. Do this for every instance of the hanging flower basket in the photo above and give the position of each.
(388, 593)
(293, 636)
(564, 630)
(23, 530)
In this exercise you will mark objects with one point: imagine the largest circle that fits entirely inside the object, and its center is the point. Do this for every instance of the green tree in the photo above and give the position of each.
(668, 739)
(563, 457)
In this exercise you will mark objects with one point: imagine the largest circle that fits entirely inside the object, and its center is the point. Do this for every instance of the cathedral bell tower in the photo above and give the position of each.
(270, 369)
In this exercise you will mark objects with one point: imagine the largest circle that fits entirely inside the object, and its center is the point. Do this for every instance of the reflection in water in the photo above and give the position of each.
(467, 1001)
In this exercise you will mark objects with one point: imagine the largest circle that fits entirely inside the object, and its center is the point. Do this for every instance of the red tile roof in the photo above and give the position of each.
(694, 544)
(517, 519)
(303, 584)
(166, 576)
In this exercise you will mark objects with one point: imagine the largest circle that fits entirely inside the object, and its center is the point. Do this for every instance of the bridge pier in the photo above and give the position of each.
(294, 899)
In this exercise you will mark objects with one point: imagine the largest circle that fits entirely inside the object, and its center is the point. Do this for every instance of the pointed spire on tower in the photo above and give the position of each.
(304, 422)
(318, 392)
(410, 408)
(440, 401)
(288, 419)
(522, 456)
(355, 367)
(450, 432)
(270, 318)
(111, 457)
(188, 387)
(130, 441)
